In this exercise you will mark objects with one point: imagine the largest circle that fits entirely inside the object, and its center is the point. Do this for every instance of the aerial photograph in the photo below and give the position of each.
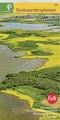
(29, 66)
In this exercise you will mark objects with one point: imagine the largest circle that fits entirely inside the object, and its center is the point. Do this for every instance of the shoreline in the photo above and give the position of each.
(21, 96)
(30, 101)
(26, 98)
(15, 65)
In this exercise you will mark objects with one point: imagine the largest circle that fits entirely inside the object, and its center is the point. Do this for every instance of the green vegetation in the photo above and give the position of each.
(41, 53)
(1, 25)
(38, 82)
(17, 33)
(34, 93)
(52, 42)
(16, 41)
(27, 45)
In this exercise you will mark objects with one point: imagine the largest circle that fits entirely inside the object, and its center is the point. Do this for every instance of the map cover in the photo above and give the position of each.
(30, 60)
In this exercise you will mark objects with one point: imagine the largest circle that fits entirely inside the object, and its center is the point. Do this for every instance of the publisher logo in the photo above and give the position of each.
(6, 7)
(9, 6)
(52, 98)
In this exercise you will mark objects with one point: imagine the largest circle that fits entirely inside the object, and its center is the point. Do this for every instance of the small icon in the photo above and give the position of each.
(52, 98)
(9, 6)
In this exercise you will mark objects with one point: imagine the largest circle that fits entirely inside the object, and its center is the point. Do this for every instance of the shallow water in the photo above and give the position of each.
(13, 109)
(10, 64)
(13, 25)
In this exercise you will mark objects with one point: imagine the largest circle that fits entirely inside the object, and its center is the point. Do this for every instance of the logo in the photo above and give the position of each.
(52, 98)
(9, 6)
(6, 7)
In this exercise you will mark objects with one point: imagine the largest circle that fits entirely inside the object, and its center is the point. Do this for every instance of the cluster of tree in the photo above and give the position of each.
(26, 33)
(46, 79)
(41, 52)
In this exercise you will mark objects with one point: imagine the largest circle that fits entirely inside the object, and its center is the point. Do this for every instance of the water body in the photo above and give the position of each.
(28, 19)
(14, 25)
(13, 109)
(10, 64)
